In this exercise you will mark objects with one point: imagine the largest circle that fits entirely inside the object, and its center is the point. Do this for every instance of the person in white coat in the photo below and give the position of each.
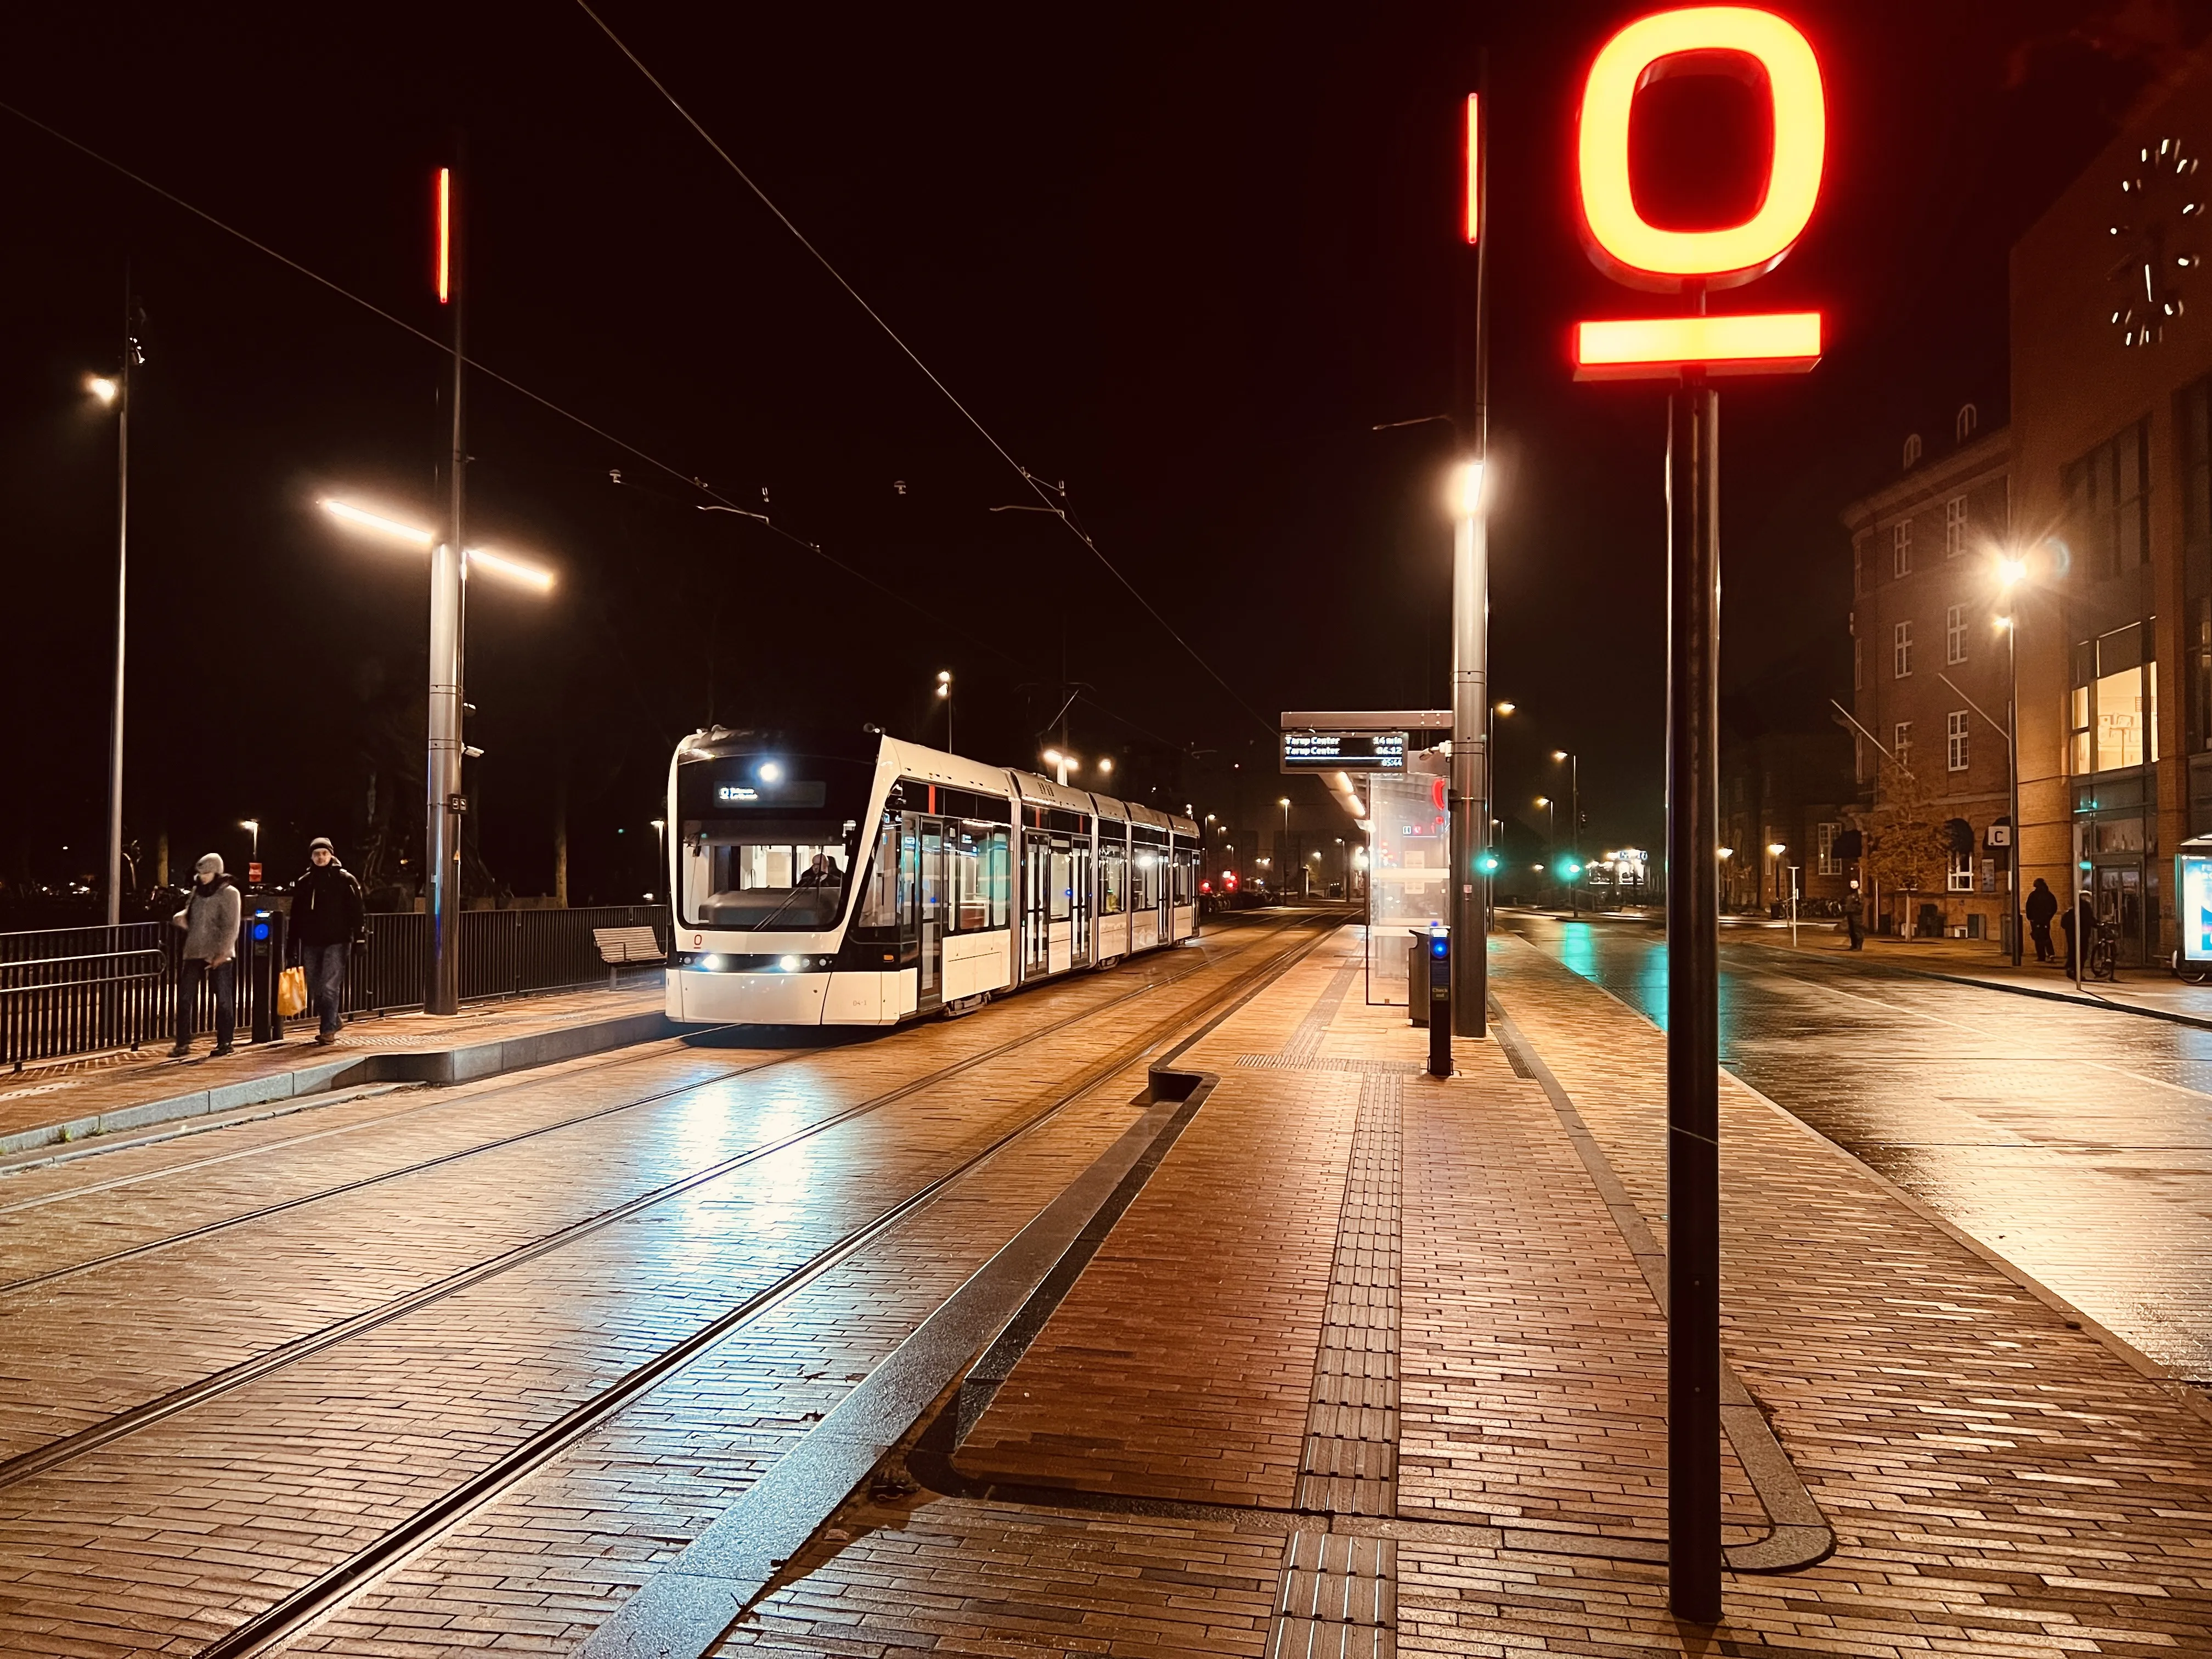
(209, 921)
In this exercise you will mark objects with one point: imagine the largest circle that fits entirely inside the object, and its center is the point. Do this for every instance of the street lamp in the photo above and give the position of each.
(1775, 849)
(444, 800)
(2012, 570)
(660, 848)
(1064, 764)
(113, 392)
(944, 690)
(252, 827)
(1574, 809)
(1106, 766)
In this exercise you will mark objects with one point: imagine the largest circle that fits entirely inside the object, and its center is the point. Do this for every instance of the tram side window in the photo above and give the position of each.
(1112, 878)
(1144, 879)
(997, 875)
(1063, 884)
(884, 896)
(979, 859)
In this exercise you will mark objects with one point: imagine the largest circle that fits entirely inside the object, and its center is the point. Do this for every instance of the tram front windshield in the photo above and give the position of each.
(768, 844)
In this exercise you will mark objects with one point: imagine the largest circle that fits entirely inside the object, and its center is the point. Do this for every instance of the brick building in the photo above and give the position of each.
(2112, 471)
(1929, 674)
(1787, 789)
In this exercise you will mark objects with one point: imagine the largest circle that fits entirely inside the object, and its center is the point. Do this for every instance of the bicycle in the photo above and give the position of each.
(2102, 959)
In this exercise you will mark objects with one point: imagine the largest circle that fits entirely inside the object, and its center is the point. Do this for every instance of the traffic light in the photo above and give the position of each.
(1567, 869)
(1486, 863)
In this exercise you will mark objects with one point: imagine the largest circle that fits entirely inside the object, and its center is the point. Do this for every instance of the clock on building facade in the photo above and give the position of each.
(2164, 205)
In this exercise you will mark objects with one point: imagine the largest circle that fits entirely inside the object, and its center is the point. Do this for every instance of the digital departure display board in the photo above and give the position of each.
(1344, 751)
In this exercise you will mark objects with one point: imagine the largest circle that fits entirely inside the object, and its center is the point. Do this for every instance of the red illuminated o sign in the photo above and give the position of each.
(1756, 46)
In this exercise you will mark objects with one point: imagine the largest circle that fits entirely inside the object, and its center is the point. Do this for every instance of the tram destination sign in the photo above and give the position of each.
(1344, 751)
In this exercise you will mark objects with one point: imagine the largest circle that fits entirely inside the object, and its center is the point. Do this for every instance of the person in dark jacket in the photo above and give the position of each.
(327, 915)
(209, 921)
(2042, 905)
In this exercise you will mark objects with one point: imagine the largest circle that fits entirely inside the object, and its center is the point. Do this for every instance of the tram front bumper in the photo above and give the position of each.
(776, 999)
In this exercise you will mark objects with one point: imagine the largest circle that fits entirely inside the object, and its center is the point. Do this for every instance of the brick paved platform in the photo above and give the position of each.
(1371, 1366)
(112, 1095)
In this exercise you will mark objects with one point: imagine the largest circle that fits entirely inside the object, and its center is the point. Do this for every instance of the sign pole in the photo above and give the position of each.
(1693, 1306)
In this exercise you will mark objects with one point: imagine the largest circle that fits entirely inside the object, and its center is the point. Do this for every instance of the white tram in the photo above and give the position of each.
(818, 883)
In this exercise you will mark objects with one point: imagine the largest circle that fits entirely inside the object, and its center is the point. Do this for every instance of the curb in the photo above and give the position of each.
(461, 1064)
(2200, 1022)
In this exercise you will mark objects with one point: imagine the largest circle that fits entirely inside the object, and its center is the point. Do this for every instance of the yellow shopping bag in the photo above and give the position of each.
(292, 993)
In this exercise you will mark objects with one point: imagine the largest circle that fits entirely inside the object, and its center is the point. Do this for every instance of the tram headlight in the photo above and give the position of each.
(790, 965)
(769, 772)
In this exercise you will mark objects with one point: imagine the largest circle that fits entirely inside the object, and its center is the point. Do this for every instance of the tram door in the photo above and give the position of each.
(1080, 880)
(1036, 889)
(931, 892)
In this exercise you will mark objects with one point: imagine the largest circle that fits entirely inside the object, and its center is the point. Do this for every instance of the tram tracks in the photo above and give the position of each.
(304, 1607)
(65, 1448)
(262, 1213)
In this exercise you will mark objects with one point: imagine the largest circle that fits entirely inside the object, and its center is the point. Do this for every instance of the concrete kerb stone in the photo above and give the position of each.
(2082, 999)
(462, 1063)
(682, 1610)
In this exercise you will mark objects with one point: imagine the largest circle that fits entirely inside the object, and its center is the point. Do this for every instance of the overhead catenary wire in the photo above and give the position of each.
(1037, 485)
(723, 503)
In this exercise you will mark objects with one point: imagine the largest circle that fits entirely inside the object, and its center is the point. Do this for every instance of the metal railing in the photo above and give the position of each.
(80, 990)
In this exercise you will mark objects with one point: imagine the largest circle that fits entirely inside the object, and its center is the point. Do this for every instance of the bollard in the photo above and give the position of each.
(264, 934)
(1440, 1023)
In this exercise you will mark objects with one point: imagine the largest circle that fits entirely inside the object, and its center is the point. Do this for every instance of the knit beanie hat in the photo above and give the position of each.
(323, 841)
(210, 864)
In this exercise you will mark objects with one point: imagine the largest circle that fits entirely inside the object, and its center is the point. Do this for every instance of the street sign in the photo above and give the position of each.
(254, 874)
(1746, 44)
(1687, 349)
(1344, 751)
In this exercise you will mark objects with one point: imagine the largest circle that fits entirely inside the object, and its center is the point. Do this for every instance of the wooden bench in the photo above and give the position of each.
(619, 945)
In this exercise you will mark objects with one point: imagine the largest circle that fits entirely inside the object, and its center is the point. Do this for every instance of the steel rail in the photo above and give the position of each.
(311, 1601)
(68, 1447)
(190, 1235)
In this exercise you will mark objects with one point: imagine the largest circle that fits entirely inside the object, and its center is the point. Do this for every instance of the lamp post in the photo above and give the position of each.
(1284, 803)
(1775, 849)
(944, 690)
(252, 828)
(660, 852)
(448, 577)
(2011, 570)
(1574, 812)
(115, 392)
(1062, 763)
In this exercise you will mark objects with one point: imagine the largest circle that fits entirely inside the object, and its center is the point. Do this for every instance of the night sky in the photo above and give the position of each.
(1180, 258)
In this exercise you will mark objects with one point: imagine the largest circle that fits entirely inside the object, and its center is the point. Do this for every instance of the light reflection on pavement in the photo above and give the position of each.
(2075, 1143)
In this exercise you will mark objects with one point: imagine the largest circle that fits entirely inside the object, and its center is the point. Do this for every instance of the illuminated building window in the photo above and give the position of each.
(1954, 527)
(1954, 741)
(1825, 840)
(1955, 634)
(2111, 711)
(1901, 743)
(1900, 651)
(1961, 873)
(1901, 548)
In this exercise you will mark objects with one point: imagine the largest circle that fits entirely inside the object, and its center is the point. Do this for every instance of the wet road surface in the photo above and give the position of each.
(2075, 1143)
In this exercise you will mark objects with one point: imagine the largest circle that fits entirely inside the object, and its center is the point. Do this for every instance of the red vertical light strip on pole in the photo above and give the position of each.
(1473, 169)
(445, 235)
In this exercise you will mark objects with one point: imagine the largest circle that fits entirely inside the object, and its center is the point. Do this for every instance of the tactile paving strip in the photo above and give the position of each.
(1337, 1594)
